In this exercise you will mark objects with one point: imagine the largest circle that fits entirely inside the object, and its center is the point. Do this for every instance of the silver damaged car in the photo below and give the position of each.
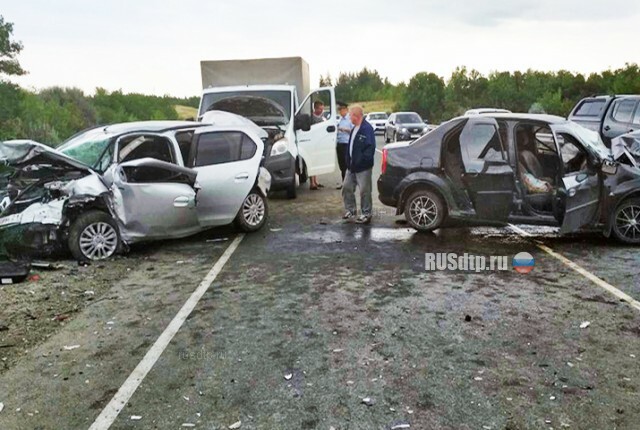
(109, 187)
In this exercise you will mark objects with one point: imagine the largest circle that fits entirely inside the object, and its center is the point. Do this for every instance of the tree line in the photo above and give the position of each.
(530, 91)
(52, 115)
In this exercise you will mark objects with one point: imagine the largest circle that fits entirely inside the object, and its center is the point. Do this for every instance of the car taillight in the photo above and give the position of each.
(384, 161)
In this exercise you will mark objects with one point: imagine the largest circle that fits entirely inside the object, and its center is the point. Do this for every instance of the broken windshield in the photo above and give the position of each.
(87, 147)
(262, 107)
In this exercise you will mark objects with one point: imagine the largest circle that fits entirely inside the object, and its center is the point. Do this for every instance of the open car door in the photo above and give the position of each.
(487, 176)
(154, 199)
(581, 187)
(228, 163)
(317, 146)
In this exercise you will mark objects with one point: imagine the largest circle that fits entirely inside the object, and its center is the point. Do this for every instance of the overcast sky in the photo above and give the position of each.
(156, 46)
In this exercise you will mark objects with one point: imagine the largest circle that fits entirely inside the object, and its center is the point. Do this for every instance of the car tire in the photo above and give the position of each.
(626, 221)
(292, 189)
(424, 210)
(93, 235)
(253, 213)
(386, 137)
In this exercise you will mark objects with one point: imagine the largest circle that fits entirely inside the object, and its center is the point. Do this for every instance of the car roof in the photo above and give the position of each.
(551, 119)
(151, 126)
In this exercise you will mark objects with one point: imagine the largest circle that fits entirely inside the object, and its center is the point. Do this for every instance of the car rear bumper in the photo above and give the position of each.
(386, 187)
(282, 169)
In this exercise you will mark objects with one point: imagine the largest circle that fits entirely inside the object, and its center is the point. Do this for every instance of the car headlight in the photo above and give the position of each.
(403, 130)
(280, 147)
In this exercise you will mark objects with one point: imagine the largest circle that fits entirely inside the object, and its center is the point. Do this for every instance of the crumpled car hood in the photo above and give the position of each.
(21, 153)
(627, 142)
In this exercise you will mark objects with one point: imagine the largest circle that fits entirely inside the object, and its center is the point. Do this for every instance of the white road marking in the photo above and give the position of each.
(120, 399)
(582, 271)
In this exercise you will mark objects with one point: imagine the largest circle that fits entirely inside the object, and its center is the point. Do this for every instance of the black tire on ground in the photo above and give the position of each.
(292, 189)
(253, 213)
(303, 177)
(626, 221)
(386, 137)
(93, 235)
(424, 210)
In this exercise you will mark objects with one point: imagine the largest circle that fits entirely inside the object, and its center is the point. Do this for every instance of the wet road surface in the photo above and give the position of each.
(311, 315)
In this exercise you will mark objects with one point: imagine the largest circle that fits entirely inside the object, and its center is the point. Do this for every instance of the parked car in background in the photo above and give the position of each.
(610, 116)
(378, 120)
(478, 170)
(482, 111)
(112, 186)
(404, 126)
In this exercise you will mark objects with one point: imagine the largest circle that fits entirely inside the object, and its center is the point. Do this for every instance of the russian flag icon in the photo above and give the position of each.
(523, 262)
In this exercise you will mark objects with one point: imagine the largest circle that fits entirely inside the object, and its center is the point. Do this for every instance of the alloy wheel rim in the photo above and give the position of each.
(253, 210)
(423, 211)
(98, 241)
(628, 222)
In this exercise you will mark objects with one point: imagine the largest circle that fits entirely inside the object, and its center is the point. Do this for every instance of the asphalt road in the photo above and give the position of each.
(311, 315)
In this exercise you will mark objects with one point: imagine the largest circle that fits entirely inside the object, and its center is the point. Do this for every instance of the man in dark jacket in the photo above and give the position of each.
(360, 155)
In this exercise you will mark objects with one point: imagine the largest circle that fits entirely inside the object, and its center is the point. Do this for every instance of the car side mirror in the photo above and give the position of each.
(302, 121)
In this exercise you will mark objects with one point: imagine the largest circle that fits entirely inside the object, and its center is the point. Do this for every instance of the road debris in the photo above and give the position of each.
(275, 229)
(221, 239)
(368, 401)
(1, 406)
(188, 425)
(585, 324)
(288, 376)
(401, 426)
(136, 417)
(235, 425)
(71, 347)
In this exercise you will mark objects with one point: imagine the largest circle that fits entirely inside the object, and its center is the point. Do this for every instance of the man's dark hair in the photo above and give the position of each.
(317, 104)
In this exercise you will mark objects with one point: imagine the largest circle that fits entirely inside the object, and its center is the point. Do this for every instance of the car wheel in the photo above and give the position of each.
(253, 213)
(292, 189)
(93, 235)
(386, 137)
(424, 210)
(626, 221)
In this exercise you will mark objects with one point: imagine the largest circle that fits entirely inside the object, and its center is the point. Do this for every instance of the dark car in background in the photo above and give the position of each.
(610, 116)
(476, 170)
(404, 126)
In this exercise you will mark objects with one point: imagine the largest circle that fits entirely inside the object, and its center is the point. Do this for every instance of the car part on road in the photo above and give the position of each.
(424, 210)
(94, 236)
(13, 272)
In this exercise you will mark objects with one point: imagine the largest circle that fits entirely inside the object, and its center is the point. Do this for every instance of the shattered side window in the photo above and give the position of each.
(141, 146)
(481, 142)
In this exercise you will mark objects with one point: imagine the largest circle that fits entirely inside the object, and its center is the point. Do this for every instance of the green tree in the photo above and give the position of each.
(425, 95)
(9, 50)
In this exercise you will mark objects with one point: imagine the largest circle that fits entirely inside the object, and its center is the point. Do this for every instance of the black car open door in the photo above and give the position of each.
(488, 177)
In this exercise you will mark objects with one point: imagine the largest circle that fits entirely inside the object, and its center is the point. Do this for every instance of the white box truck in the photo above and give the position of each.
(302, 139)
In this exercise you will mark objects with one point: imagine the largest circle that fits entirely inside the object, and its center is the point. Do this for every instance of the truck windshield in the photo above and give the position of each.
(261, 107)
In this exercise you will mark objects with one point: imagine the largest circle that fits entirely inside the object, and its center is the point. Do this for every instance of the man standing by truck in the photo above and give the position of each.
(344, 130)
(317, 116)
(360, 155)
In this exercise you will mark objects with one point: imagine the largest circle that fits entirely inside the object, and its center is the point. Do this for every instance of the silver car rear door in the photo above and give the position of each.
(227, 161)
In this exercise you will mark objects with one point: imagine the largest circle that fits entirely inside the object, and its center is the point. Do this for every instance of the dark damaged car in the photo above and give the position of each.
(496, 169)
(112, 186)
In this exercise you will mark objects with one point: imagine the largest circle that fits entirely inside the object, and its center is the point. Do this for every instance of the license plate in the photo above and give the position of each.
(11, 219)
(415, 136)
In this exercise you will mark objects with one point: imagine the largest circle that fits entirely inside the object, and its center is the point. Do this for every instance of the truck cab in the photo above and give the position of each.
(610, 116)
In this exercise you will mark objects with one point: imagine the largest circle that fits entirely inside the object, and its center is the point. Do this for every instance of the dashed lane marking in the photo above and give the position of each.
(582, 271)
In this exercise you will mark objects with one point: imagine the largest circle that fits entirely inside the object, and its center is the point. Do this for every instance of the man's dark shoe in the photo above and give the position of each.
(363, 219)
(348, 216)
